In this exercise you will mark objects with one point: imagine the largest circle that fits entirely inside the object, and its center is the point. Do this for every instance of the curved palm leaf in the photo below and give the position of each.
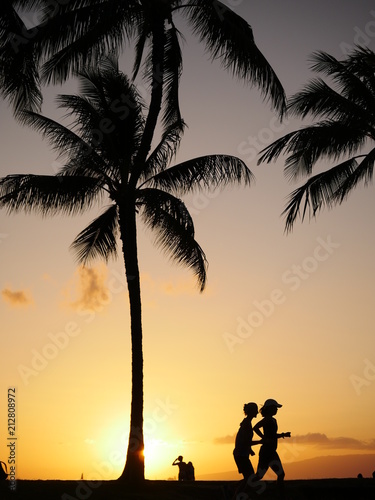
(82, 159)
(172, 74)
(363, 173)
(98, 239)
(351, 76)
(203, 172)
(47, 194)
(362, 63)
(77, 34)
(163, 153)
(174, 230)
(19, 80)
(326, 139)
(320, 100)
(229, 38)
(320, 190)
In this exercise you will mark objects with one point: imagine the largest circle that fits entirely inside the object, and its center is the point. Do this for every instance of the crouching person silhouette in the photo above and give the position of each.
(268, 457)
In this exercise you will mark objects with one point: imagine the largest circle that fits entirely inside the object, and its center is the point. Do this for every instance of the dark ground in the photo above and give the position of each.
(323, 489)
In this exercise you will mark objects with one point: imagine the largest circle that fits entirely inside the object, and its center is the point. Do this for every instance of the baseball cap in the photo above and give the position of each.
(272, 402)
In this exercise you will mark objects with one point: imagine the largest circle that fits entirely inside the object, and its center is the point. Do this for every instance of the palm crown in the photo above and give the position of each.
(101, 155)
(68, 36)
(346, 125)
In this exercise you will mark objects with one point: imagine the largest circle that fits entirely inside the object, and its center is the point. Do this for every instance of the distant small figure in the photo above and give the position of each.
(373, 475)
(360, 476)
(181, 468)
(190, 472)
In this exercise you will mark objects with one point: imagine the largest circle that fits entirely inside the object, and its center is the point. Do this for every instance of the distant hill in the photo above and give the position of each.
(344, 466)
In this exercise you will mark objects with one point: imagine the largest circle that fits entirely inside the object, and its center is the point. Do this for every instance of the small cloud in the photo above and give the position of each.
(19, 298)
(318, 439)
(225, 439)
(323, 441)
(89, 285)
(47, 277)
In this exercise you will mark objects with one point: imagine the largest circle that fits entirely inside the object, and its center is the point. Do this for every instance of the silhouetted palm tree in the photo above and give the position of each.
(346, 112)
(100, 153)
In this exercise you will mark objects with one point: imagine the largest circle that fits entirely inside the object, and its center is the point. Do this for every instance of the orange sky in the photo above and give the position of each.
(287, 317)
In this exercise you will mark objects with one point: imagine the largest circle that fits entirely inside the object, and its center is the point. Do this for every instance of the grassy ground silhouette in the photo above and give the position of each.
(324, 489)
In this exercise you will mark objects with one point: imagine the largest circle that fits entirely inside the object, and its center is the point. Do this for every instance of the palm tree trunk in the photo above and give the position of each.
(134, 466)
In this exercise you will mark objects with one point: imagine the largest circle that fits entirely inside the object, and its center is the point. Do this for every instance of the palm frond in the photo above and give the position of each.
(62, 139)
(19, 80)
(48, 195)
(172, 74)
(82, 158)
(109, 114)
(28, 4)
(362, 173)
(164, 152)
(351, 83)
(304, 147)
(80, 33)
(208, 171)
(98, 239)
(319, 191)
(9, 19)
(362, 63)
(143, 35)
(229, 38)
(169, 217)
(319, 100)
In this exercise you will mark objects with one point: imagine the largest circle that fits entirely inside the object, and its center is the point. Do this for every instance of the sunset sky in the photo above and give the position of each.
(289, 317)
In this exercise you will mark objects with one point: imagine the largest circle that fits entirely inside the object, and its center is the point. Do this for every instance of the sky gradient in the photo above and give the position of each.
(288, 317)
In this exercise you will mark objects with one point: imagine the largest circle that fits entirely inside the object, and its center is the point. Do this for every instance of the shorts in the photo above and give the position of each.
(244, 465)
(269, 459)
